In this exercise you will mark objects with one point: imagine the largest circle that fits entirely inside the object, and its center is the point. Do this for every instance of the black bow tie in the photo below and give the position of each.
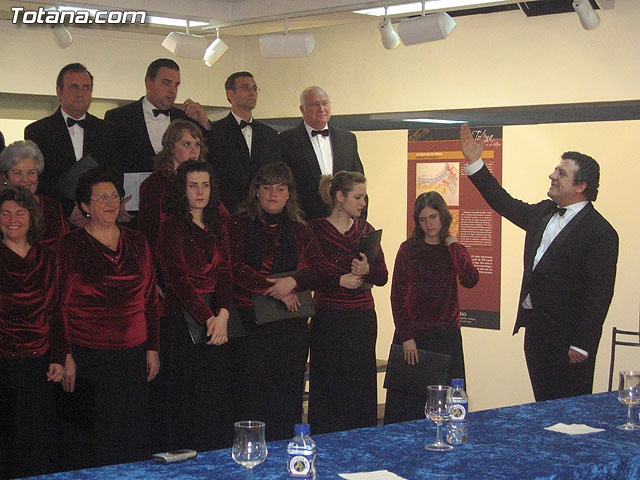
(157, 111)
(72, 121)
(245, 124)
(324, 133)
(559, 211)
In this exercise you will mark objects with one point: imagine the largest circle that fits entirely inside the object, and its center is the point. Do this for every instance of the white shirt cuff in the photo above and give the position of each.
(579, 350)
(474, 167)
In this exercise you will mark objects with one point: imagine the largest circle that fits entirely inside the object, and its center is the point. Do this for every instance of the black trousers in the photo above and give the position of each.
(403, 406)
(28, 428)
(546, 348)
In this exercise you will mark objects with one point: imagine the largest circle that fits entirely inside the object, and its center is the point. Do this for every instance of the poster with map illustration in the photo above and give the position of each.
(435, 163)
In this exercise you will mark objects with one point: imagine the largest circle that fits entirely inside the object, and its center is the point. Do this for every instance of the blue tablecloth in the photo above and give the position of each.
(504, 443)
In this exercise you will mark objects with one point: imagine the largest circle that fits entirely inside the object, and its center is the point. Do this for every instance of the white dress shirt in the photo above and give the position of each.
(156, 126)
(247, 131)
(322, 147)
(77, 135)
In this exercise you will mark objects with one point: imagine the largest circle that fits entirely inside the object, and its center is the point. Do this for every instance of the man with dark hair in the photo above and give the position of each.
(570, 257)
(241, 144)
(142, 123)
(70, 134)
(315, 148)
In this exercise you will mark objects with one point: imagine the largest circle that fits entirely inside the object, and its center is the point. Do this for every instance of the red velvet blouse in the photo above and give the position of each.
(247, 281)
(424, 292)
(109, 298)
(30, 317)
(152, 208)
(193, 262)
(339, 251)
(55, 222)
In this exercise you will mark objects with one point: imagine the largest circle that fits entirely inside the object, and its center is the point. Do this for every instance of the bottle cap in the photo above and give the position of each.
(457, 383)
(301, 429)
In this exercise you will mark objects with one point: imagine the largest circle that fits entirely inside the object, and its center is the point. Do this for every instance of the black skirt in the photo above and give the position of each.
(403, 406)
(273, 359)
(342, 370)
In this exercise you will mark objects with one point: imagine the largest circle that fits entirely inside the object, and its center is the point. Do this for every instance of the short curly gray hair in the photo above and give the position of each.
(20, 150)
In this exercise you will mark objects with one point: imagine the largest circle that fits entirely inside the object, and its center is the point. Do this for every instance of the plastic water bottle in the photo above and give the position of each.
(302, 454)
(458, 408)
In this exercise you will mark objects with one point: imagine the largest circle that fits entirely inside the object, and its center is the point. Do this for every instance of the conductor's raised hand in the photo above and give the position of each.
(471, 148)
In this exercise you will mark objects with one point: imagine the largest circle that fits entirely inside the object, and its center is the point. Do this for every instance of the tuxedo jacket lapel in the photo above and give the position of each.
(61, 131)
(308, 152)
(141, 127)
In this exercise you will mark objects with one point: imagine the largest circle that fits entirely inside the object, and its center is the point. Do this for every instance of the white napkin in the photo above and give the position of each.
(574, 428)
(377, 475)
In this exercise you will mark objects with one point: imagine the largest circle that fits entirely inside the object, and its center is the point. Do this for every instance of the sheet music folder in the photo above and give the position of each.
(369, 245)
(269, 309)
(198, 331)
(431, 369)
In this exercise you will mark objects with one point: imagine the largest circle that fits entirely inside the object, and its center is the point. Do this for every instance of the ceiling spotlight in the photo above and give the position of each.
(278, 45)
(215, 50)
(426, 28)
(185, 44)
(588, 16)
(62, 36)
(390, 39)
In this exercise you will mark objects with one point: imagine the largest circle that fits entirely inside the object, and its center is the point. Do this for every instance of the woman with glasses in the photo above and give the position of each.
(32, 340)
(21, 163)
(194, 255)
(109, 303)
(424, 297)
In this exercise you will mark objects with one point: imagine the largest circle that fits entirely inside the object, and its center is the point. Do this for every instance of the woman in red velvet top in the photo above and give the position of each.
(32, 340)
(424, 297)
(20, 164)
(269, 237)
(342, 369)
(109, 304)
(194, 255)
(181, 141)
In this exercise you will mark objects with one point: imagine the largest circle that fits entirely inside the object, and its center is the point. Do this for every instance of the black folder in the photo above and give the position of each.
(431, 369)
(269, 309)
(198, 331)
(369, 245)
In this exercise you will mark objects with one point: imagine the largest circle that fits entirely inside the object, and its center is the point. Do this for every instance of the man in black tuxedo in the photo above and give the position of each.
(142, 123)
(240, 144)
(315, 148)
(71, 134)
(570, 258)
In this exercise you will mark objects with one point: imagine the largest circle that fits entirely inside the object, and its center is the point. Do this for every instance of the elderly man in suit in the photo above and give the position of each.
(142, 123)
(241, 145)
(570, 258)
(315, 148)
(70, 134)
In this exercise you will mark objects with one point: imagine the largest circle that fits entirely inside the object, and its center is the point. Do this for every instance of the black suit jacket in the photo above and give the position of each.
(299, 154)
(52, 137)
(132, 128)
(573, 282)
(231, 161)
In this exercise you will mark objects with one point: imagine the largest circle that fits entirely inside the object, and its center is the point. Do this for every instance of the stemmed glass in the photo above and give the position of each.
(437, 411)
(629, 394)
(249, 446)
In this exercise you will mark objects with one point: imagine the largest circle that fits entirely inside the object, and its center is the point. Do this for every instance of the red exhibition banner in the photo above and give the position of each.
(436, 163)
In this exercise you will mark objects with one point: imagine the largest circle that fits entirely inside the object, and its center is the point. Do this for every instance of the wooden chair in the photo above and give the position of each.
(615, 342)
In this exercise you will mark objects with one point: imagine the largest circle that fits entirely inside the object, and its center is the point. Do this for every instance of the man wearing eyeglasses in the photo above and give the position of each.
(241, 145)
(70, 135)
(315, 148)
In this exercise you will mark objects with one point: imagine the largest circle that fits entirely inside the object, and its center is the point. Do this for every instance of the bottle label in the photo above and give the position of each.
(458, 411)
(300, 466)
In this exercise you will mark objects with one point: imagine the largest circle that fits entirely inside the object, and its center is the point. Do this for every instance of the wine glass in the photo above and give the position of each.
(629, 394)
(436, 410)
(249, 446)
